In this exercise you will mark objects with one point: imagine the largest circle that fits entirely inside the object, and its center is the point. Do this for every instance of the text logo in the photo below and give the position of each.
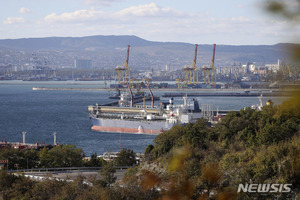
(264, 188)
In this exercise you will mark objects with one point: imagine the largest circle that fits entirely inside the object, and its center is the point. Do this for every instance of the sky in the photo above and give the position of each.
(231, 22)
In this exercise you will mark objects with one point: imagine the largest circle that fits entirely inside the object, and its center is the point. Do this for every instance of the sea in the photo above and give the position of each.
(40, 113)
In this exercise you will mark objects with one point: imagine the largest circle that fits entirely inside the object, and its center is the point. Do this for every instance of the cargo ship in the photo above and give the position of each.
(125, 117)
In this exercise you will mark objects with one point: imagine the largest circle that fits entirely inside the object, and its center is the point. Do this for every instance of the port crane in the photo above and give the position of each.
(191, 73)
(214, 74)
(210, 73)
(179, 82)
(124, 70)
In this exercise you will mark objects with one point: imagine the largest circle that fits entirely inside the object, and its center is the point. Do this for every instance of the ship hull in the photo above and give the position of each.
(130, 126)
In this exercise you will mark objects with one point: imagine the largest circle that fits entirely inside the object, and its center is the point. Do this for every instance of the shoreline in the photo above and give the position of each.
(166, 89)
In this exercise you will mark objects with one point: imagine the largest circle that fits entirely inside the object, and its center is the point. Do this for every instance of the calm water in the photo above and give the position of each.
(40, 113)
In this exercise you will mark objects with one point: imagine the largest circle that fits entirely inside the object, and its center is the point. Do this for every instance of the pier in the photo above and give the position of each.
(21, 145)
(165, 89)
(225, 94)
(24, 146)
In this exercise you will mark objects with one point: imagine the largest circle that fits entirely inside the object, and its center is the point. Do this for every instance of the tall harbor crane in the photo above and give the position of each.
(195, 71)
(191, 73)
(179, 82)
(210, 73)
(188, 74)
(124, 70)
(214, 74)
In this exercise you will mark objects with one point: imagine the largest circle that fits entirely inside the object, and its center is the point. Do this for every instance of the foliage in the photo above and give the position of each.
(6, 181)
(95, 161)
(247, 146)
(130, 176)
(126, 157)
(24, 159)
(66, 156)
(107, 174)
(59, 156)
(199, 162)
(166, 141)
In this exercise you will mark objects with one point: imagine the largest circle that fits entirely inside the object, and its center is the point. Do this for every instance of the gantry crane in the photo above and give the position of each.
(124, 70)
(188, 74)
(179, 82)
(206, 74)
(195, 71)
(191, 73)
(214, 74)
(210, 77)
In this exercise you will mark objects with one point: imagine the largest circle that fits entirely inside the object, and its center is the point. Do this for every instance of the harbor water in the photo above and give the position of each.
(41, 113)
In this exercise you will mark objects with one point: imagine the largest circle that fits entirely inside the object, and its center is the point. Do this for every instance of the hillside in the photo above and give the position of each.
(155, 54)
(73, 43)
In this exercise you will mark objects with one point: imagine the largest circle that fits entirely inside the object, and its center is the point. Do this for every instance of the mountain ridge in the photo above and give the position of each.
(177, 54)
(86, 41)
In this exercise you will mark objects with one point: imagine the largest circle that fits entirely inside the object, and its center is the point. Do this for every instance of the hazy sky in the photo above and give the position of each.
(194, 21)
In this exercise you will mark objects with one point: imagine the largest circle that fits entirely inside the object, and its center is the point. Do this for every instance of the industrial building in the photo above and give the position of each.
(83, 64)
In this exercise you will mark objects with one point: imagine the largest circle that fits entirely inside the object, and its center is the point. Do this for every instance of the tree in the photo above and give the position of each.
(45, 159)
(66, 156)
(107, 173)
(197, 134)
(148, 152)
(6, 180)
(95, 161)
(31, 159)
(164, 142)
(126, 157)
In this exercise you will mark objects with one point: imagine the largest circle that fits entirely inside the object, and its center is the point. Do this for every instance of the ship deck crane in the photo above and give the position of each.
(124, 70)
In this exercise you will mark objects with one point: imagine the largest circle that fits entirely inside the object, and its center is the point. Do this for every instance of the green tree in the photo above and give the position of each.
(166, 141)
(95, 161)
(148, 152)
(126, 157)
(45, 158)
(197, 134)
(248, 136)
(14, 156)
(31, 159)
(48, 189)
(66, 156)
(107, 175)
(6, 180)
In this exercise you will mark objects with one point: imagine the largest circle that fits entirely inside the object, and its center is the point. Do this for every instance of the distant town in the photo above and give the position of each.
(234, 66)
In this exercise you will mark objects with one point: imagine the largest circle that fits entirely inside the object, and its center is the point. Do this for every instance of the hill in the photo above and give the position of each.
(157, 54)
(74, 43)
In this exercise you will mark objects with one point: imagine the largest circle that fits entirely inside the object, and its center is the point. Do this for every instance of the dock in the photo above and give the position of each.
(224, 94)
(24, 146)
